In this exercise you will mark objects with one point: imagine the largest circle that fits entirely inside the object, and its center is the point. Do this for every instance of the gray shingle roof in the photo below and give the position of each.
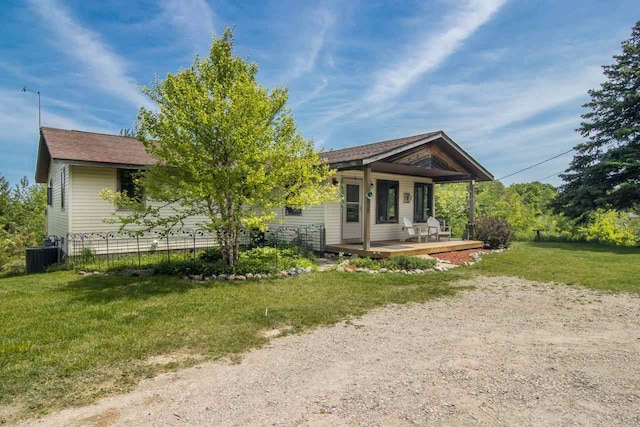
(374, 149)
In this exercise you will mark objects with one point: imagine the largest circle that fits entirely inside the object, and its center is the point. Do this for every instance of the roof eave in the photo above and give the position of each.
(401, 149)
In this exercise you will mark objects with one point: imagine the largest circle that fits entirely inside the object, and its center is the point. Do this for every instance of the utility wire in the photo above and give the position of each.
(537, 164)
(553, 174)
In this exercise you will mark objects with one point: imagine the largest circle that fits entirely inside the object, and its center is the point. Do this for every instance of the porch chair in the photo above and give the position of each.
(411, 231)
(437, 230)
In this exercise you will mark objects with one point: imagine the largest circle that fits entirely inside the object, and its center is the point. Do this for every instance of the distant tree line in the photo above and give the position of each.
(22, 222)
(530, 206)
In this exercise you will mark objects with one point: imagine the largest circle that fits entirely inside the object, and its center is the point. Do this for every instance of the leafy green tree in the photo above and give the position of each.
(605, 171)
(226, 148)
(22, 213)
(452, 206)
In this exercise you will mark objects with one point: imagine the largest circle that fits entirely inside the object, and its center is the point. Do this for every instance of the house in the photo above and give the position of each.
(380, 184)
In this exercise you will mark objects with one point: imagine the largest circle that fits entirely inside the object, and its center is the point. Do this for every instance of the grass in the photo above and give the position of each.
(67, 340)
(609, 268)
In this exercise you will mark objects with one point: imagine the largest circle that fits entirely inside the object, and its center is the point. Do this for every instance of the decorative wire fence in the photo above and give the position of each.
(105, 250)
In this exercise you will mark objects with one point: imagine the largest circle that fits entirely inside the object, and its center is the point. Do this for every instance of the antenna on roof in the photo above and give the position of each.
(25, 89)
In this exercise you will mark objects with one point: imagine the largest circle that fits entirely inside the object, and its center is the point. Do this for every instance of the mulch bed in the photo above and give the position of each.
(459, 257)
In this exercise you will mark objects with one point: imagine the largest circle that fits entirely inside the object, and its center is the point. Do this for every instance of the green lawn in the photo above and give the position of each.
(66, 339)
(595, 266)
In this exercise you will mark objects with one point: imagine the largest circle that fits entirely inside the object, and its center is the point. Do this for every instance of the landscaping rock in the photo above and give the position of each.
(308, 270)
(223, 277)
(383, 270)
(418, 271)
(249, 276)
(340, 268)
(438, 268)
(284, 273)
(241, 277)
(350, 268)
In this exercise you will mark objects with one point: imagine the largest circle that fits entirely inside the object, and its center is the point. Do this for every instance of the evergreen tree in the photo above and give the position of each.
(605, 171)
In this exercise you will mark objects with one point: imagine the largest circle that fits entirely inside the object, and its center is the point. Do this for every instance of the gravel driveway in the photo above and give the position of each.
(510, 352)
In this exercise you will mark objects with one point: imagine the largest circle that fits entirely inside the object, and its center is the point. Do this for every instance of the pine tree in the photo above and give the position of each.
(605, 171)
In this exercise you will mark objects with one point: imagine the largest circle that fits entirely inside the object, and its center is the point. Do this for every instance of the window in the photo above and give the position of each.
(353, 203)
(387, 201)
(50, 193)
(63, 175)
(422, 202)
(127, 184)
(292, 211)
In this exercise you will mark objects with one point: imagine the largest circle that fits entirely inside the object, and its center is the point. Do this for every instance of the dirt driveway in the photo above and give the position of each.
(511, 352)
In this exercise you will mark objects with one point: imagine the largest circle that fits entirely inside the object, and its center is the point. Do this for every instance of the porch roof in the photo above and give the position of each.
(432, 154)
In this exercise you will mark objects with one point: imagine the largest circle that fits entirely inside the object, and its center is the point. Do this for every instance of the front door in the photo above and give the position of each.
(352, 212)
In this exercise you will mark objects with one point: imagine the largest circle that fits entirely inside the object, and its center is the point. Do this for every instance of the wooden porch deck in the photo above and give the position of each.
(395, 247)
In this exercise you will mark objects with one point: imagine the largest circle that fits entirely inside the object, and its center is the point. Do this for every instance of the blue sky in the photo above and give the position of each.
(504, 78)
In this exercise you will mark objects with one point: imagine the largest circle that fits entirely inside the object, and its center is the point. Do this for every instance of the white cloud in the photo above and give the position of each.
(434, 48)
(194, 18)
(306, 61)
(19, 112)
(324, 82)
(103, 67)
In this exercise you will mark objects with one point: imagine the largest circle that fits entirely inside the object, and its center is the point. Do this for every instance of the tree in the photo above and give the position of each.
(605, 171)
(226, 148)
(22, 217)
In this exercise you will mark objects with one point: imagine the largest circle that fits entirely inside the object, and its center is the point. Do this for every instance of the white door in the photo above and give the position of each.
(352, 212)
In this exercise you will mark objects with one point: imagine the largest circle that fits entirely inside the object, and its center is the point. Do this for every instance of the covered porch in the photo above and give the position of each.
(390, 184)
(391, 248)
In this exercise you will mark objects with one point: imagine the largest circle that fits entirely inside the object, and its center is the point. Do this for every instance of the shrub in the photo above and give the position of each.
(365, 263)
(400, 262)
(405, 262)
(494, 232)
(211, 255)
(609, 228)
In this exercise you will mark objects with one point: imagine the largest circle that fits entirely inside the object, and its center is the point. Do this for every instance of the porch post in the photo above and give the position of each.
(472, 211)
(366, 238)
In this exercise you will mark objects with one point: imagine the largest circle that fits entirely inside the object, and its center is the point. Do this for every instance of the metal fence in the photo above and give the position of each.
(107, 249)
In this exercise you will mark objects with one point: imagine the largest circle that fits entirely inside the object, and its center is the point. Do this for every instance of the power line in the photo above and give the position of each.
(537, 164)
(553, 174)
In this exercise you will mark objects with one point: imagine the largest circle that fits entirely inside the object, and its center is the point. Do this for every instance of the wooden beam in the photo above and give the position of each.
(472, 211)
(366, 238)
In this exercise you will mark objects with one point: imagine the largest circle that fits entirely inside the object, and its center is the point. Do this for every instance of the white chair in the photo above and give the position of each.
(437, 230)
(412, 231)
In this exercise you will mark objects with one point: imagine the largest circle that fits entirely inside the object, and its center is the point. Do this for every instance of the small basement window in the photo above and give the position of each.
(292, 211)
(127, 184)
(387, 201)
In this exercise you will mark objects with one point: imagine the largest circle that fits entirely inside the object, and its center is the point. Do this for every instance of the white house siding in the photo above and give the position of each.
(333, 223)
(57, 217)
(314, 215)
(89, 212)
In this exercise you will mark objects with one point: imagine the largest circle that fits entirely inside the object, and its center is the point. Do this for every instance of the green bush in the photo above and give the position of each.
(609, 228)
(400, 262)
(256, 260)
(405, 262)
(494, 232)
(365, 263)
(211, 255)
